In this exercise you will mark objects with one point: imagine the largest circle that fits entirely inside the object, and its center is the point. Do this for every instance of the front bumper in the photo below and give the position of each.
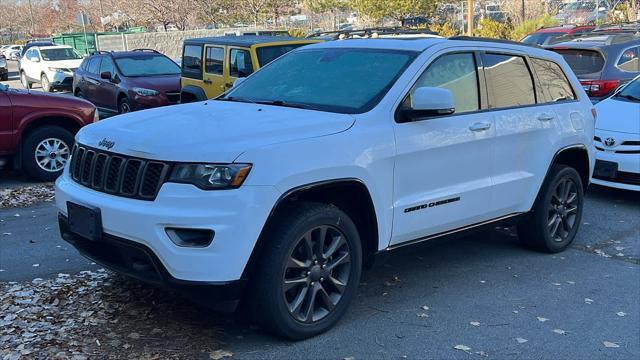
(138, 261)
(236, 216)
(617, 166)
(60, 80)
(149, 102)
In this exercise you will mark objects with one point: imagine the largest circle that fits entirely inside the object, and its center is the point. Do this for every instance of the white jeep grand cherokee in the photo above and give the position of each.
(286, 186)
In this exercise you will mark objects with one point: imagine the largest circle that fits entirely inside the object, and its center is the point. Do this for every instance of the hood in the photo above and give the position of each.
(65, 64)
(159, 83)
(618, 116)
(211, 131)
(43, 100)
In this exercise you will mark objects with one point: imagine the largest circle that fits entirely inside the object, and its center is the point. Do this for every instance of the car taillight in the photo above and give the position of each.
(598, 88)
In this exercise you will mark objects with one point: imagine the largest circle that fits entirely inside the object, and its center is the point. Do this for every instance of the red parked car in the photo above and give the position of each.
(120, 82)
(543, 36)
(37, 129)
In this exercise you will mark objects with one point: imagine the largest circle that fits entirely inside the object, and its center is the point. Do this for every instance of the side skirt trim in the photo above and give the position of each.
(454, 231)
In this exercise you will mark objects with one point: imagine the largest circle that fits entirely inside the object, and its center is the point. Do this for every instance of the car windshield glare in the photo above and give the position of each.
(342, 80)
(153, 65)
(59, 54)
(631, 91)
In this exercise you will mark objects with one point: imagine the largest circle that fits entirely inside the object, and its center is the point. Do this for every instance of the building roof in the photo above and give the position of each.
(242, 40)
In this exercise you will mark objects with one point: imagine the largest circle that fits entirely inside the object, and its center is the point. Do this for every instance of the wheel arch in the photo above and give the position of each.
(577, 157)
(192, 93)
(350, 195)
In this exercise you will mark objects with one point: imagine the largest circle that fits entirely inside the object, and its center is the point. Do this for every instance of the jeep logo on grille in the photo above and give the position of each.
(106, 143)
(609, 141)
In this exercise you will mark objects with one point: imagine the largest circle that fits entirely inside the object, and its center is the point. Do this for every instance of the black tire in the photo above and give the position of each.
(45, 83)
(79, 94)
(557, 213)
(33, 140)
(124, 105)
(5, 77)
(25, 81)
(269, 300)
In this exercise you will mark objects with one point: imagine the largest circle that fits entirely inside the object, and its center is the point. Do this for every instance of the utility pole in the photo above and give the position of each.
(470, 17)
(522, 10)
(33, 31)
(101, 14)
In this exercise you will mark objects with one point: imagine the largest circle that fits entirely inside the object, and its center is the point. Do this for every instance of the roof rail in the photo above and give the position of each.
(367, 32)
(493, 40)
(100, 52)
(149, 50)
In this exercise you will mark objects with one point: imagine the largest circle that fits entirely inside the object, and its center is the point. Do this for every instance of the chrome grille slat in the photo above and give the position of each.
(118, 175)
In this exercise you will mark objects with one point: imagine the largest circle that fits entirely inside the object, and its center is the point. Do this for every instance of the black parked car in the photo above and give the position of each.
(602, 61)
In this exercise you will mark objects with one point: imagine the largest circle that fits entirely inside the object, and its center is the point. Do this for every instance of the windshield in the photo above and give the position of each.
(59, 54)
(631, 91)
(582, 61)
(342, 80)
(153, 65)
(267, 54)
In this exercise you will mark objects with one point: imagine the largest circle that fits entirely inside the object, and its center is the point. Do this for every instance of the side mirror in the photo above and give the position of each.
(238, 81)
(428, 102)
(105, 75)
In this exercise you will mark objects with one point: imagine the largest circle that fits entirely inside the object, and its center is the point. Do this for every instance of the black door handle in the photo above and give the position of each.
(208, 82)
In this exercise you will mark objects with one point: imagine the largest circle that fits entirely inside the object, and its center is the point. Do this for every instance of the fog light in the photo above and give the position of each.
(190, 237)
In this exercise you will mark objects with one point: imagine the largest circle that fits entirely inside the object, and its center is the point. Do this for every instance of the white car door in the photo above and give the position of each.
(30, 65)
(442, 177)
(527, 127)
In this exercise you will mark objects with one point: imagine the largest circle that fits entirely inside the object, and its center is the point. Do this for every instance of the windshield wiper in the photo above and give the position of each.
(628, 97)
(287, 104)
(236, 99)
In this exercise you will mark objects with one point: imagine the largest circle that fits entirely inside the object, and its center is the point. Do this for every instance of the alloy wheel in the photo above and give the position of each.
(52, 154)
(563, 210)
(124, 107)
(316, 274)
(44, 81)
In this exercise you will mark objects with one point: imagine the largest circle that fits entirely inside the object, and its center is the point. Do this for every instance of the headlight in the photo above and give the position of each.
(55, 70)
(145, 92)
(211, 176)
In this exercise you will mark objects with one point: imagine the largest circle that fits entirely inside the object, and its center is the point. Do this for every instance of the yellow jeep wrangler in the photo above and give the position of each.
(211, 65)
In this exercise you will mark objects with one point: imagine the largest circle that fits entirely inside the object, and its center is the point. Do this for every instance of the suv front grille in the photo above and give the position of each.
(117, 174)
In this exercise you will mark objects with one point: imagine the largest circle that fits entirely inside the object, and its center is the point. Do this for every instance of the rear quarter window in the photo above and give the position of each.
(629, 60)
(582, 61)
(553, 81)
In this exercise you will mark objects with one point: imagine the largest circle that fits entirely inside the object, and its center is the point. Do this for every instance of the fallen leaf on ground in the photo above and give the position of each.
(422, 315)
(621, 313)
(425, 307)
(588, 301)
(521, 340)
(475, 323)
(560, 331)
(541, 319)
(219, 354)
(610, 344)
(462, 347)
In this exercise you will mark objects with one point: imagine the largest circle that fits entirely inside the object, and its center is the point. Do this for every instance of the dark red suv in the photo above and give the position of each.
(119, 82)
(37, 129)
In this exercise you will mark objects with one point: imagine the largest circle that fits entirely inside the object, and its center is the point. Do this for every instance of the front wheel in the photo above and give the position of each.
(309, 272)
(124, 105)
(46, 85)
(46, 150)
(556, 216)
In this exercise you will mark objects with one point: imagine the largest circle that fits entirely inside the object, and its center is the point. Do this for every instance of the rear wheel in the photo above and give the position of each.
(45, 152)
(5, 77)
(553, 224)
(25, 81)
(80, 94)
(309, 273)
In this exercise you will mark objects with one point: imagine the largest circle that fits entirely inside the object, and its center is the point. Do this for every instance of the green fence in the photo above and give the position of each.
(84, 44)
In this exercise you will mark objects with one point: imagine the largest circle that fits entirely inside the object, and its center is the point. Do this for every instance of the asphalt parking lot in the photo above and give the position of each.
(484, 294)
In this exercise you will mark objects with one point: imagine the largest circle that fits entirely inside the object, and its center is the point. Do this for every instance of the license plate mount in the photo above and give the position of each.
(84, 221)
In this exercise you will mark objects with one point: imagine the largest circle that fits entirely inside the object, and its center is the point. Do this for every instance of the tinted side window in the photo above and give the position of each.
(509, 81)
(553, 81)
(241, 65)
(458, 74)
(629, 60)
(93, 65)
(214, 60)
(192, 61)
(107, 65)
